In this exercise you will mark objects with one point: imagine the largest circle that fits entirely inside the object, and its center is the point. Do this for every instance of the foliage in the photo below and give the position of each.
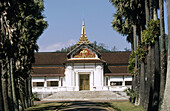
(141, 53)
(130, 92)
(131, 66)
(34, 97)
(100, 47)
(21, 24)
(128, 13)
(151, 32)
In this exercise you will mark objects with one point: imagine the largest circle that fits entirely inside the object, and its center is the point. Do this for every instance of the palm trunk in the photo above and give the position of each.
(151, 8)
(142, 76)
(142, 83)
(26, 92)
(16, 106)
(155, 101)
(155, 68)
(147, 11)
(148, 81)
(135, 79)
(163, 53)
(4, 88)
(29, 92)
(152, 75)
(1, 97)
(21, 94)
(9, 86)
(166, 98)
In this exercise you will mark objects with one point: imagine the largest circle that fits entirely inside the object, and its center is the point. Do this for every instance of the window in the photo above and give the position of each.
(115, 83)
(52, 83)
(128, 82)
(38, 84)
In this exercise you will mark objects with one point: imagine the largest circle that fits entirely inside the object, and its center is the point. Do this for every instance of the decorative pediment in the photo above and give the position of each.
(84, 53)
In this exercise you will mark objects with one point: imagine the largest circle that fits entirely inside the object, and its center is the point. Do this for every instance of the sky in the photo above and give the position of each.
(65, 17)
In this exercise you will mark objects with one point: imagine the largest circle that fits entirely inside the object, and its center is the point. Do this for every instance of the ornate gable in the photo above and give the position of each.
(84, 53)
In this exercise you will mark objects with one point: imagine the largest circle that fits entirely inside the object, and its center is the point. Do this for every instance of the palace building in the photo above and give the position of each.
(83, 68)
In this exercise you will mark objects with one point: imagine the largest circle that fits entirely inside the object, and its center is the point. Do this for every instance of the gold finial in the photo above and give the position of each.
(83, 38)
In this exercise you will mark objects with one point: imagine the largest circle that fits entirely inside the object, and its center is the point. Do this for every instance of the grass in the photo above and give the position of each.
(46, 106)
(117, 106)
(125, 106)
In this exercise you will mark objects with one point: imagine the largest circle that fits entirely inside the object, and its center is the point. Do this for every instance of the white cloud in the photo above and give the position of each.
(56, 46)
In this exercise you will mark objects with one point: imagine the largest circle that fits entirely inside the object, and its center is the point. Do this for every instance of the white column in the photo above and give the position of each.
(68, 76)
(77, 79)
(72, 78)
(45, 83)
(102, 76)
(99, 77)
(91, 81)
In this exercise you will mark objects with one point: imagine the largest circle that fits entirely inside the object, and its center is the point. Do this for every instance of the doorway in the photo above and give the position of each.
(84, 82)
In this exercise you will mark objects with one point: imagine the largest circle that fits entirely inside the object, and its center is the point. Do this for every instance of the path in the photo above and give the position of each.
(86, 106)
(86, 96)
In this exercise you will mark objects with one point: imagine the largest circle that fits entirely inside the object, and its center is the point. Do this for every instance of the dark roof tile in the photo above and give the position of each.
(48, 70)
(116, 57)
(116, 69)
(50, 58)
(59, 58)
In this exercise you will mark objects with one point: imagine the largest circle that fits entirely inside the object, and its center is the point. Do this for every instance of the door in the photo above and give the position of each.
(84, 82)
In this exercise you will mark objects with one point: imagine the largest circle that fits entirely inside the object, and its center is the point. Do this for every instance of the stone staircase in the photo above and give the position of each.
(85, 96)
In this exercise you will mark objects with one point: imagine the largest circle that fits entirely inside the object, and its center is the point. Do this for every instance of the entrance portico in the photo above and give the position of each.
(87, 76)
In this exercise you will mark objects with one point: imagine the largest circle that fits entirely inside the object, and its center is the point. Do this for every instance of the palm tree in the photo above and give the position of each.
(17, 45)
(163, 52)
(166, 98)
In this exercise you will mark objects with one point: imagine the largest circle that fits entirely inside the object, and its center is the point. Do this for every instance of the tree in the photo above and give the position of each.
(128, 20)
(163, 52)
(21, 24)
(126, 49)
(114, 49)
(166, 98)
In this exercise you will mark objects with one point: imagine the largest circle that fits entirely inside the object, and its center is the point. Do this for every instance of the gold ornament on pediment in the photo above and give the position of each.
(84, 53)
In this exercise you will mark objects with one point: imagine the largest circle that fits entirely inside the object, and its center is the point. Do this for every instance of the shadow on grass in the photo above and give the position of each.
(46, 106)
(72, 105)
(107, 104)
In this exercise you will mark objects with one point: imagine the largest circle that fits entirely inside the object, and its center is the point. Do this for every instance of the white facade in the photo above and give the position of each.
(72, 81)
(84, 70)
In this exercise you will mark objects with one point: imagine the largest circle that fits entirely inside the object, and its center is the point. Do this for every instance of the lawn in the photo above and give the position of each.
(118, 106)
(125, 106)
(46, 106)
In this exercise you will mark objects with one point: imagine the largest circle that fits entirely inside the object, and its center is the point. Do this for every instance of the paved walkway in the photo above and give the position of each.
(86, 96)
(86, 106)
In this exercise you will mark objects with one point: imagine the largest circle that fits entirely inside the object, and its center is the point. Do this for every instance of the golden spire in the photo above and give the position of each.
(83, 38)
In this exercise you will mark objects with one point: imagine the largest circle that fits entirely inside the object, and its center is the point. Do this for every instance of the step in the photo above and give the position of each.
(85, 95)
